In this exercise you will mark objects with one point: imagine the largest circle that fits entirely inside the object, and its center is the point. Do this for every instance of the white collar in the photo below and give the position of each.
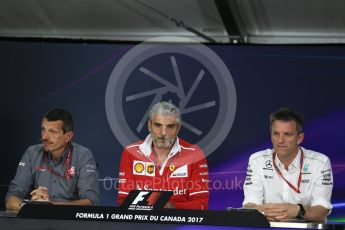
(146, 147)
(295, 163)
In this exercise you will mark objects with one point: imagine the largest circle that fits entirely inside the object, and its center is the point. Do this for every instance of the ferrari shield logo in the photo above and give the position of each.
(172, 167)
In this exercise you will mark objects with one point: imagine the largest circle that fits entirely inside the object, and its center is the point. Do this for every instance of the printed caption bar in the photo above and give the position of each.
(167, 216)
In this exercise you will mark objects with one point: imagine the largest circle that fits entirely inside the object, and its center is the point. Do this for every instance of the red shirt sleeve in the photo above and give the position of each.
(199, 189)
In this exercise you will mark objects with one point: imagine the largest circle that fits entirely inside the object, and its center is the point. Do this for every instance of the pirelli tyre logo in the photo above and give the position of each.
(143, 168)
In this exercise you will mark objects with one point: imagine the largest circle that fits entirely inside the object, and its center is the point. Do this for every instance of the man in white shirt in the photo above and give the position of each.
(289, 181)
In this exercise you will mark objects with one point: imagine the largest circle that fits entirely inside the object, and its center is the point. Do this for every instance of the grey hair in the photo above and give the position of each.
(166, 108)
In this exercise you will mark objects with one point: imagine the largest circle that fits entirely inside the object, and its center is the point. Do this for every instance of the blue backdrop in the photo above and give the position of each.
(226, 93)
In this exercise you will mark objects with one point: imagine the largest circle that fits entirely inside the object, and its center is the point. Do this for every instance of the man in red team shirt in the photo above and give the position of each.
(165, 162)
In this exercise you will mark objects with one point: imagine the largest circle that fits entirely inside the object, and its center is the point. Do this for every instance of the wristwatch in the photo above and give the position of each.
(301, 212)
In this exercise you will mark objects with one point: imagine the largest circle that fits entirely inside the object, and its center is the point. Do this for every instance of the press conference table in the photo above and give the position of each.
(37, 217)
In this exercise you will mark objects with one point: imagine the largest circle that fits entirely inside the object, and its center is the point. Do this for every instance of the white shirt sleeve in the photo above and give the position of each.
(253, 187)
(323, 186)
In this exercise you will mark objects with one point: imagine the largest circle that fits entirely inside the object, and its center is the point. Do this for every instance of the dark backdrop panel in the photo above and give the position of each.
(36, 77)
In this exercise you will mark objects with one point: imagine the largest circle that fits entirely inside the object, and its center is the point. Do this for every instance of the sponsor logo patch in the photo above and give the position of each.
(143, 168)
(122, 181)
(138, 167)
(150, 168)
(306, 168)
(180, 172)
(172, 167)
(203, 166)
(268, 165)
(71, 171)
